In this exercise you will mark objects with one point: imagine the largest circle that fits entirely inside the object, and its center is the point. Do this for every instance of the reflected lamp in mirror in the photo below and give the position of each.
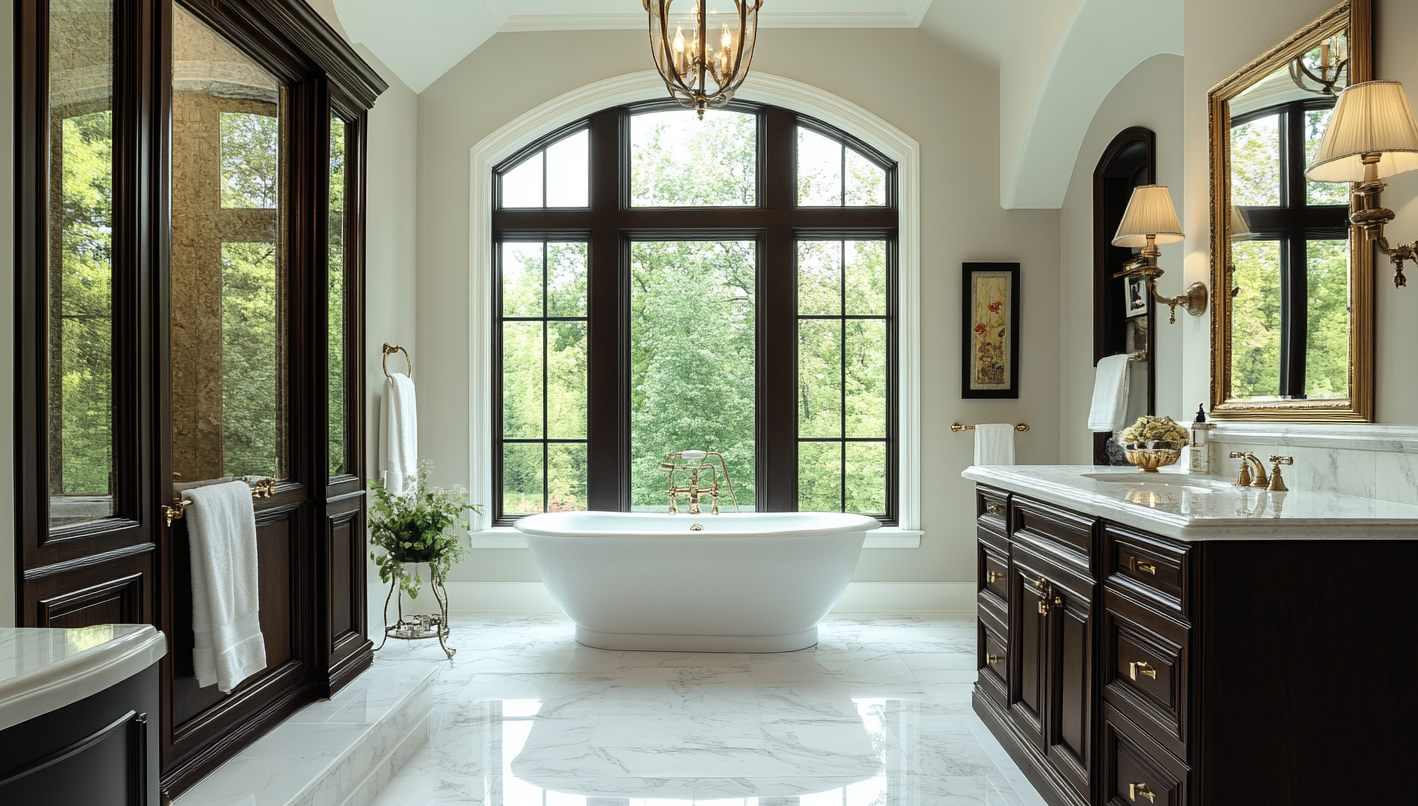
(1150, 221)
(1371, 136)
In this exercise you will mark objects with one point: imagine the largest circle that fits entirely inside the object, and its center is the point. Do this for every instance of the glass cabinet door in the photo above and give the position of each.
(229, 261)
(80, 352)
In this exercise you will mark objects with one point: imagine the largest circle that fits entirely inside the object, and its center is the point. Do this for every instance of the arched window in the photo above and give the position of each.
(661, 283)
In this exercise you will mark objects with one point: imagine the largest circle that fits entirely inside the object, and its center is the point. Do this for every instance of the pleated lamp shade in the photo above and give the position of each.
(1149, 212)
(1370, 117)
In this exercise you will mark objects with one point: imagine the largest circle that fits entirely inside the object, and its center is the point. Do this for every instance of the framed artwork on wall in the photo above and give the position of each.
(990, 363)
(1135, 295)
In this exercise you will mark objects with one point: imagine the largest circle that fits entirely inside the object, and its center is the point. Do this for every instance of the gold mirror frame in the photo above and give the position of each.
(1357, 16)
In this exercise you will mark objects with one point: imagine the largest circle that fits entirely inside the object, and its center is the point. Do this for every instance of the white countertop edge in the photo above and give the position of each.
(1180, 527)
(71, 679)
(506, 537)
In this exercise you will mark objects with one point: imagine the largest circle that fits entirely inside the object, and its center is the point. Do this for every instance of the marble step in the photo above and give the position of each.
(337, 752)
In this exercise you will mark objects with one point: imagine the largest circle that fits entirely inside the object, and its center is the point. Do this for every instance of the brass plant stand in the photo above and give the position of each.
(418, 627)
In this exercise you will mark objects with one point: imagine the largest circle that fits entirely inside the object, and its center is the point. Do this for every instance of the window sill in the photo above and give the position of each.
(506, 537)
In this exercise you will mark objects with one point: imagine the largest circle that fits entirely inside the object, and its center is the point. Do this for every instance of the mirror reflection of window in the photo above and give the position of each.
(81, 414)
(228, 260)
(1290, 327)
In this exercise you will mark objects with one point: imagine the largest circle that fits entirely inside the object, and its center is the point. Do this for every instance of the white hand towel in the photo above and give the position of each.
(1110, 395)
(994, 444)
(399, 443)
(226, 607)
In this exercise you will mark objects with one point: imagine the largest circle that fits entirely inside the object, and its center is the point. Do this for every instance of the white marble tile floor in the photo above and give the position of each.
(878, 714)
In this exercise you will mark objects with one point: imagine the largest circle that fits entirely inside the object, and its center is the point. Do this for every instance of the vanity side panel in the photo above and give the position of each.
(1305, 679)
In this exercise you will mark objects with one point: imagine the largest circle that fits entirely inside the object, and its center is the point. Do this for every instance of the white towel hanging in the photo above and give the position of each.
(1108, 413)
(226, 609)
(994, 444)
(399, 441)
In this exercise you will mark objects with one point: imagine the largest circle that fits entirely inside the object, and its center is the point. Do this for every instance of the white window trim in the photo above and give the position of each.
(763, 88)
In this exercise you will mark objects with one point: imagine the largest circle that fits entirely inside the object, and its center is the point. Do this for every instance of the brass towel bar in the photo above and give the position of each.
(177, 510)
(957, 427)
(1136, 357)
(390, 349)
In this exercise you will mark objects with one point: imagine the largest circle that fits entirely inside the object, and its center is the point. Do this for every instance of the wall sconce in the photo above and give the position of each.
(1371, 136)
(1151, 220)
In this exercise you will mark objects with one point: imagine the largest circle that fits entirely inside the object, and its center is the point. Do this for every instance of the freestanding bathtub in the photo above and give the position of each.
(744, 583)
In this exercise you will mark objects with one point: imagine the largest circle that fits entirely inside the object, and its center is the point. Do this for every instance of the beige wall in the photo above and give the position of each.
(391, 250)
(956, 122)
(1222, 36)
(1149, 96)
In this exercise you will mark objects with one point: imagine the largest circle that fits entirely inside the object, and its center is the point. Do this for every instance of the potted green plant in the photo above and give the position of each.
(424, 525)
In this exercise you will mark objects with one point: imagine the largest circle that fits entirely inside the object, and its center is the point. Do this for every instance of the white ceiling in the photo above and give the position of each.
(422, 40)
(1058, 59)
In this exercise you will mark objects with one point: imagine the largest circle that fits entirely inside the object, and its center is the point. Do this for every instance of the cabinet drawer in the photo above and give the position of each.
(1136, 771)
(994, 573)
(1062, 535)
(994, 663)
(1145, 672)
(1150, 568)
(992, 510)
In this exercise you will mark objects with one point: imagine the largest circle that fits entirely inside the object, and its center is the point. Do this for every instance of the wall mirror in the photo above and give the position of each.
(1292, 323)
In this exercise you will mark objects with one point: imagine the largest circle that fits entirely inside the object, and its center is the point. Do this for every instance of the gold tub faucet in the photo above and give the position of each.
(692, 464)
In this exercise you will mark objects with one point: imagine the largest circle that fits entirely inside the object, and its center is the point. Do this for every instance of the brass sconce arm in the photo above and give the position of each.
(1371, 217)
(1194, 301)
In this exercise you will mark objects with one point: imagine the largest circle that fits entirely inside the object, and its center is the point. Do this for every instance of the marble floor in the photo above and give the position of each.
(878, 714)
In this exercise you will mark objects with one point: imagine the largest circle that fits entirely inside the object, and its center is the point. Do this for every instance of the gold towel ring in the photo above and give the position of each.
(390, 350)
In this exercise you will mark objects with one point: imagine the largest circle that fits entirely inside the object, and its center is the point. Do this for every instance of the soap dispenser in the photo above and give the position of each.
(1199, 457)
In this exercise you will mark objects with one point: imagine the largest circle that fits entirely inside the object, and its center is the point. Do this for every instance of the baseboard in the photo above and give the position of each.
(532, 597)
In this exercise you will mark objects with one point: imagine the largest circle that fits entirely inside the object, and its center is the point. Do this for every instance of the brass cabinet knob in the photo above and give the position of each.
(993, 659)
(992, 577)
(1141, 668)
(994, 509)
(1136, 791)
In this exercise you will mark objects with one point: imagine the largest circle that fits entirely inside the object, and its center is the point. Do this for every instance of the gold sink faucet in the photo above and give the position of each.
(1274, 482)
(1248, 460)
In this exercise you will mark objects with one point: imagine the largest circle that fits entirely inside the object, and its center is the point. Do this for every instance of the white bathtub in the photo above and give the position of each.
(746, 583)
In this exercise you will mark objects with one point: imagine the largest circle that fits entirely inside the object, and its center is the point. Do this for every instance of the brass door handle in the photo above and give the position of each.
(1141, 668)
(1048, 603)
(1141, 790)
(992, 577)
(993, 659)
(1040, 583)
(1142, 566)
(994, 509)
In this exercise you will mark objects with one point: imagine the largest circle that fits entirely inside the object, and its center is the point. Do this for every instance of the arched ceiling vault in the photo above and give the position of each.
(1058, 59)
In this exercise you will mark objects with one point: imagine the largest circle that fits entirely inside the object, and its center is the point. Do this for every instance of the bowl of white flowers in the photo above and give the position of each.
(1153, 442)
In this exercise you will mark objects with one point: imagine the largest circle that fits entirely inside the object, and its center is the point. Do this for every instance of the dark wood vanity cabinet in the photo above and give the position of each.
(1118, 667)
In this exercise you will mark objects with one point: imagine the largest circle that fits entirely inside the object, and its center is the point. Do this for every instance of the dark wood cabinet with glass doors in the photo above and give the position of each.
(189, 228)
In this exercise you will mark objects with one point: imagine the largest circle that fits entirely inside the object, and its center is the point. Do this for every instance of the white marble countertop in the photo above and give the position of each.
(1193, 508)
(42, 670)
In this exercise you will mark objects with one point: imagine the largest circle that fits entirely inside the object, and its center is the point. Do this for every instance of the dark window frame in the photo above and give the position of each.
(1293, 224)
(776, 223)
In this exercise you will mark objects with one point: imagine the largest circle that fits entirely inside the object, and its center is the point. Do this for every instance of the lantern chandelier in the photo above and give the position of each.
(682, 38)
(1328, 76)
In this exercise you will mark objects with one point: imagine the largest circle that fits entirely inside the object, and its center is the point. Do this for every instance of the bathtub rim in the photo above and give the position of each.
(850, 524)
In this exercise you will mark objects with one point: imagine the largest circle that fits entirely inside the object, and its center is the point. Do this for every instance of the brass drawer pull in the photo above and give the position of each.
(1141, 790)
(993, 659)
(1142, 566)
(994, 509)
(1141, 668)
(991, 577)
